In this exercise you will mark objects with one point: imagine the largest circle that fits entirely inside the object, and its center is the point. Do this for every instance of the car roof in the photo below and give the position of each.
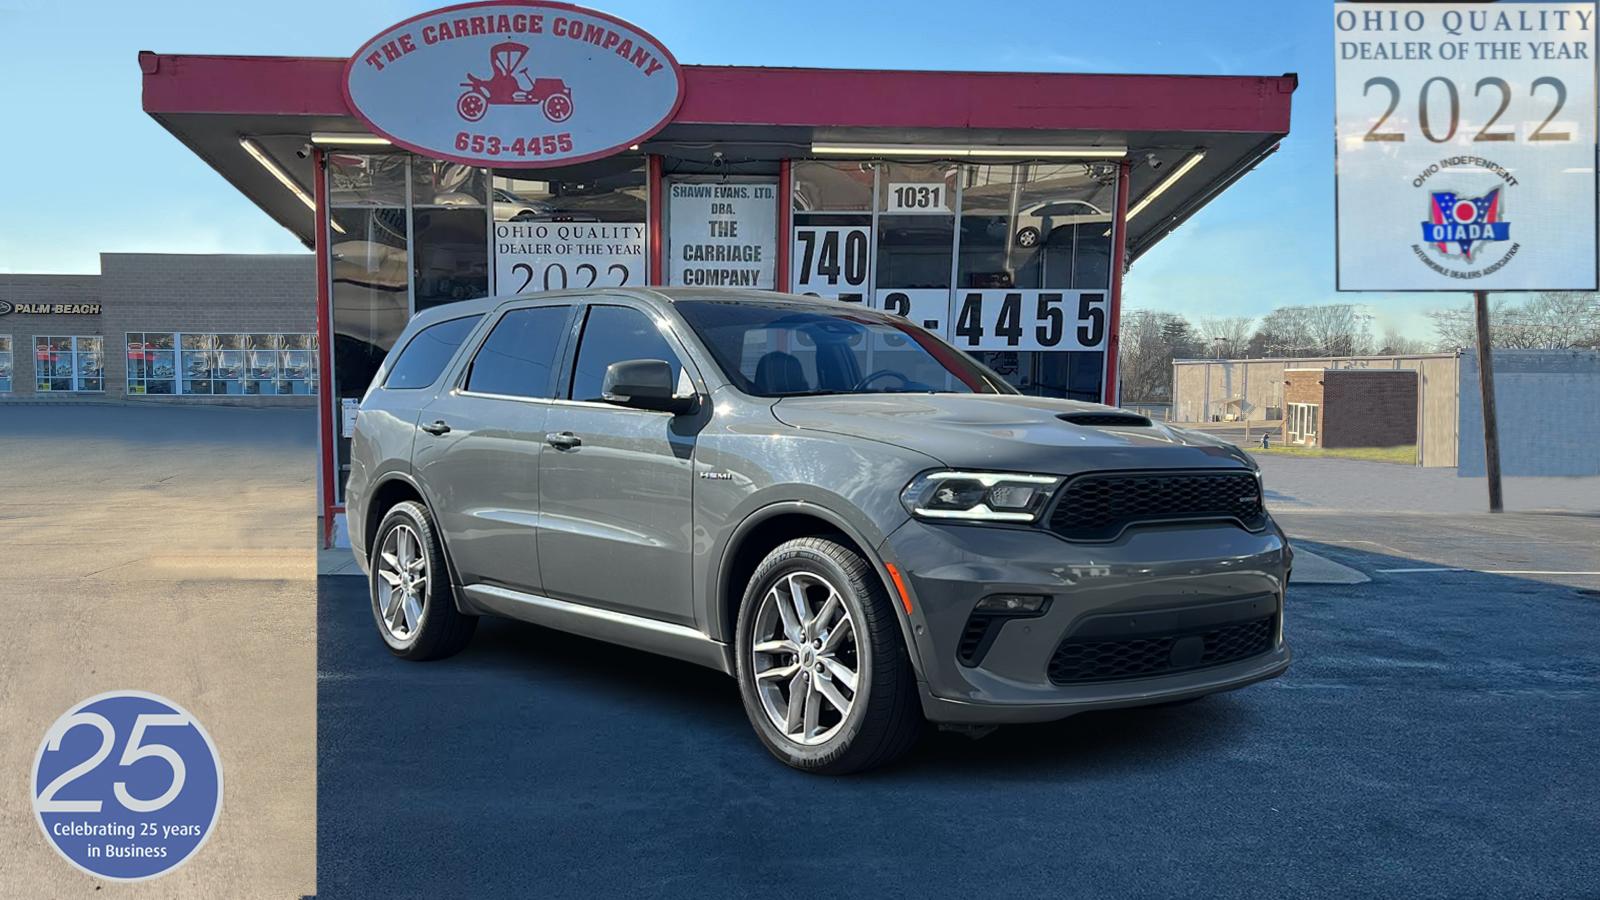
(482, 305)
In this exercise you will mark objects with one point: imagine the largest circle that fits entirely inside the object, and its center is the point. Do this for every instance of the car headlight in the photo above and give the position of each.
(979, 496)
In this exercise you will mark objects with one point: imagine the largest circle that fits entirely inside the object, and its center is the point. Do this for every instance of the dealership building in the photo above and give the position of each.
(507, 147)
(163, 328)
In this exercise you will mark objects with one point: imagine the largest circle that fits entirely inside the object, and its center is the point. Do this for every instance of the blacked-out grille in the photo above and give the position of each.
(1079, 661)
(1097, 507)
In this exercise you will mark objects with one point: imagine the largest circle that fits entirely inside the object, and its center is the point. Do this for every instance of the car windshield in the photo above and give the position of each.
(774, 349)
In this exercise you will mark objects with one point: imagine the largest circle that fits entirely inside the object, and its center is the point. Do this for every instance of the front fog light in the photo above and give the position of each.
(1018, 604)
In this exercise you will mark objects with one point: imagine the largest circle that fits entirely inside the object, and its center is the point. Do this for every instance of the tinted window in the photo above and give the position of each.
(428, 353)
(613, 334)
(517, 356)
(784, 349)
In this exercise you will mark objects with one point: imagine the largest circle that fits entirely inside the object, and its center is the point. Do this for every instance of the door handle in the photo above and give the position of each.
(438, 427)
(562, 440)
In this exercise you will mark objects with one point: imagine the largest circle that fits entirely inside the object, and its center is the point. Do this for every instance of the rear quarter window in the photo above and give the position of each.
(427, 353)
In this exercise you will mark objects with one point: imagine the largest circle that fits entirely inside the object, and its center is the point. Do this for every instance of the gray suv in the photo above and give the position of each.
(864, 526)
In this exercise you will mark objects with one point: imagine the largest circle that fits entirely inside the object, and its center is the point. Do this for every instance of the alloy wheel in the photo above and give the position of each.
(805, 657)
(403, 573)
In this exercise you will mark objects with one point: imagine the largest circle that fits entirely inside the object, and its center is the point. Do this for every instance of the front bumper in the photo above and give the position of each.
(1179, 578)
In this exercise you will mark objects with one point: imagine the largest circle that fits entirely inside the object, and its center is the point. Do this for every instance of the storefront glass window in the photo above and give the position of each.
(831, 186)
(572, 227)
(1043, 229)
(449, 233)
(68, 364)
(152, 363)
(831, 250)
(611, 190)
(297, 364)
(221, 363)
(369, 267)
(916, 225)
(450, 256)
(5, 364)
(359, 179)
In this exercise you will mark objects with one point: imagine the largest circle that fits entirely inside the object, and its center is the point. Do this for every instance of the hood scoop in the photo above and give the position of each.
(1105, 419)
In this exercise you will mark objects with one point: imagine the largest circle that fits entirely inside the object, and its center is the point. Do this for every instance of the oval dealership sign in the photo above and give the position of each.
(514, 84)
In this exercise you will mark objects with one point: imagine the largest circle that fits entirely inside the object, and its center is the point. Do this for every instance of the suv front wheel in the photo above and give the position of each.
(410, 586)
(821, 665)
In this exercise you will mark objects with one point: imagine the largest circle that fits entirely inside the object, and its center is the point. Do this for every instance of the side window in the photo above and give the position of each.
(428, 352)
(516, 358)
(613, 334)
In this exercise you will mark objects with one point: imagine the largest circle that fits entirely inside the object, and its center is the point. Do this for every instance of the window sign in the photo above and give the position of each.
(832, 261)
(931, 197)
(927, 308)
(552, 256)
(1465, 146)
(723, 235)
(5, 363)
(1004, 319)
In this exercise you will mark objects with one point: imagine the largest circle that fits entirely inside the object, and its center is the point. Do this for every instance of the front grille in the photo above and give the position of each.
(1078, 661)
(1097, 507)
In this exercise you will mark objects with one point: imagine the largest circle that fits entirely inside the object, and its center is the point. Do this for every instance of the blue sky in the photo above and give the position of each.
(87, 170)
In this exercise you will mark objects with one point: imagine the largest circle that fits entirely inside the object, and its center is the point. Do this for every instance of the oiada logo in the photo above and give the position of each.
(524, 83)
(1461, 230)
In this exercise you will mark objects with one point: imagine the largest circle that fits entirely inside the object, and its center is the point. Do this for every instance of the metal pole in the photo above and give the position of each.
(1491, 428)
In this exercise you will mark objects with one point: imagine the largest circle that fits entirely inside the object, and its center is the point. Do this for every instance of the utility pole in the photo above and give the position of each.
(1491, 427)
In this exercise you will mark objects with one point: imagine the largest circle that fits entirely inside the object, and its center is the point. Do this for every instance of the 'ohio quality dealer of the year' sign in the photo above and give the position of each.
(1465, 146)
(514, 84)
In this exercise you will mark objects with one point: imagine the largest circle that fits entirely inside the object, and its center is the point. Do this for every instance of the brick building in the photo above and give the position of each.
(1350, 407)
(180, 328)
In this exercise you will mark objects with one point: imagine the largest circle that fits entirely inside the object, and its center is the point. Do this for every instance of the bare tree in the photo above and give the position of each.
(1336, 329)
(1552, 320)
(1396, 344)
(1150, 340)
(1227, 336)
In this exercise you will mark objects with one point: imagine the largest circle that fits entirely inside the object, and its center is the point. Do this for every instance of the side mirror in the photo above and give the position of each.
(644, 384)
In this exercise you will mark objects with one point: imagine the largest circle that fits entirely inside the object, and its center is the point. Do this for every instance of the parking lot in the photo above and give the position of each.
(1435, 737)
(165, 549)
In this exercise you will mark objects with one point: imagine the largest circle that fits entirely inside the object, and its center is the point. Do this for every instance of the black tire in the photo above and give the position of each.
(885, 717)
(441, 630)
(1028, 237)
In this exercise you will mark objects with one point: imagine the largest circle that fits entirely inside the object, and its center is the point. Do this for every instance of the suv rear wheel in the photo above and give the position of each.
(822, 669)
(410, 586)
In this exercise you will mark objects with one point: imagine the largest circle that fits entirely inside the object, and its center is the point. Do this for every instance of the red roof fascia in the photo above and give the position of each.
(824, 98)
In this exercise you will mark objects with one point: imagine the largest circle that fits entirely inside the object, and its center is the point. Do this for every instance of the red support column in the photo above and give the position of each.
(327, 452)
(653, 178)
(1119, 256)
(780, 280)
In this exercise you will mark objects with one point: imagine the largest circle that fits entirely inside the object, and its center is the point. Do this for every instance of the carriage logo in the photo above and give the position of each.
(1464, 223)
(6, 308)
(510, 84)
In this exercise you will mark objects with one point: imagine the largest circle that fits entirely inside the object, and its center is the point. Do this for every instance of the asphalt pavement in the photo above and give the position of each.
(1435, 737)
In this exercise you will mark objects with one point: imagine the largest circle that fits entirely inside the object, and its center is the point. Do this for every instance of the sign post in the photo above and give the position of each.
(1491, 425)
(1465, 155)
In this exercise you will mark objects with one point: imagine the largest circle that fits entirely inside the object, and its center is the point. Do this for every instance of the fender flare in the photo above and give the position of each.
(874, 558)
(456, 594)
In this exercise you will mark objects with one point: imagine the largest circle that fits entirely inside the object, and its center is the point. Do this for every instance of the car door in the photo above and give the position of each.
(615, 484)
(478, 446)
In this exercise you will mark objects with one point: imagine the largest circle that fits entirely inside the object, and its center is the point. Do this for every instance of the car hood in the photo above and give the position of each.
(1009, 432)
